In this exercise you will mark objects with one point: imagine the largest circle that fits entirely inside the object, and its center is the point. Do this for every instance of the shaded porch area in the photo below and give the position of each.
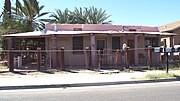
(88, 50)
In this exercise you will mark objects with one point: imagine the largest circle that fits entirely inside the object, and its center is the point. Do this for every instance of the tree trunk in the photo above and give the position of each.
(7, 9)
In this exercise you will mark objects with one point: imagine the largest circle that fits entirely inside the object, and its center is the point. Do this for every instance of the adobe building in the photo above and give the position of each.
(76, 37)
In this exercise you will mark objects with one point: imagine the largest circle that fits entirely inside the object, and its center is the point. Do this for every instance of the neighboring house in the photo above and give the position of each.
(172, 28)
(96, 36)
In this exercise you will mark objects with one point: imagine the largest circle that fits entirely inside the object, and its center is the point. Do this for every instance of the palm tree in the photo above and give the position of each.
(30, 12)
(61, 17)
(7, 10)
(90, 15)
(84, 15)
(81, 15)
(98, 16)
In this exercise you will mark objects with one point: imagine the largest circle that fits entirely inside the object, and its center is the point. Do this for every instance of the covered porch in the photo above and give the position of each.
(92, 49)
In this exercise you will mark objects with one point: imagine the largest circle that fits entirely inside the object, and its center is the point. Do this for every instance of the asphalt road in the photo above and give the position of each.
(132, 92)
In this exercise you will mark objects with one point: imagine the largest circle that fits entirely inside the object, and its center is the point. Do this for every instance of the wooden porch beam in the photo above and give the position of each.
(10, 54)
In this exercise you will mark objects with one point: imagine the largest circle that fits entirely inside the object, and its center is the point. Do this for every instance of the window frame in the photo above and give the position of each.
(77, 44)
(116, 46)
(153, 41)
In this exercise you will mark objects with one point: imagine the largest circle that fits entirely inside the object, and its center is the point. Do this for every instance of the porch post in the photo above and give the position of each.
(171, 45)
(93, 50)
(159, 54)
(99, 60)
(10, 55)
(171, 41)
(38, 59)
(127, 58)
(86, 54)
(54, 53)
(117, 58)
(150, 56)
(136, 51)
(62, 59)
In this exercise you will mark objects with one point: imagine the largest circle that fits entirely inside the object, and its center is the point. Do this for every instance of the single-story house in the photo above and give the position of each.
(75, 37)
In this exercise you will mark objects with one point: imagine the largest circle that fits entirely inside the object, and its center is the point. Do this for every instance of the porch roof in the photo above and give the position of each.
(48, 33)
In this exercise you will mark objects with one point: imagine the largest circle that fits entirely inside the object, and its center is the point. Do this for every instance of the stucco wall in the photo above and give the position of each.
(99, 27)
(177, 38)
(73, 58)
(77, 60)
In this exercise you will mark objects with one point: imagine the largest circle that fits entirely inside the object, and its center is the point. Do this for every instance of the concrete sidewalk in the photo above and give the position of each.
(31, 80)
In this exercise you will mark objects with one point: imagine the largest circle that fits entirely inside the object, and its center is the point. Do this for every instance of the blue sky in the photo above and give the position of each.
(124, 12)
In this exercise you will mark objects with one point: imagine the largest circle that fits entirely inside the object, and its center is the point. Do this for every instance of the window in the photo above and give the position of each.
(151, 42)
(77, 29)
(115, 43)
(132, 29)
(100, 44)
(78, 43)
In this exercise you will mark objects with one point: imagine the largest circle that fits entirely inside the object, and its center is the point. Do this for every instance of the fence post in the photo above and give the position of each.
(150, 56)
(179, 57)
(62, 58)
(117, 57)
(99, 59)
(10, 60)
(86, 53)
(126, 56)
(160, 59)
(38, 59)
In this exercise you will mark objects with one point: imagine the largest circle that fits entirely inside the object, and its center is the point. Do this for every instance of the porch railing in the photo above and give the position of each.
(63, 59)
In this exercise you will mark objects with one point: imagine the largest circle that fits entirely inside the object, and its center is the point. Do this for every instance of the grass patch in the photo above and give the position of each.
(133, 78)
(174, 68)
(161, 75)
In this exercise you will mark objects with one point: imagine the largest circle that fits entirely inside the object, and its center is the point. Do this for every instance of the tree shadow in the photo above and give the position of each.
(14, 72)
(19, 72)
(71, 71)
(47, 72)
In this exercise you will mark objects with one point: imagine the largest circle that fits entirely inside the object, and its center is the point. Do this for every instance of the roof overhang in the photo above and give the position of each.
(49, 33)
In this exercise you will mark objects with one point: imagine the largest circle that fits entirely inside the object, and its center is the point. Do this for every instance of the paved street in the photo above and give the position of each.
(132, 92)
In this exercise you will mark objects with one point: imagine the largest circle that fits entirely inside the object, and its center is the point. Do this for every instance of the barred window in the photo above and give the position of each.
(78, 43)
(115, 43)
(151, 42)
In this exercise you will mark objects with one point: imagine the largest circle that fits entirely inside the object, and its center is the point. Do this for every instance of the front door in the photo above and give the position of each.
(101, 45)
(130, 44)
